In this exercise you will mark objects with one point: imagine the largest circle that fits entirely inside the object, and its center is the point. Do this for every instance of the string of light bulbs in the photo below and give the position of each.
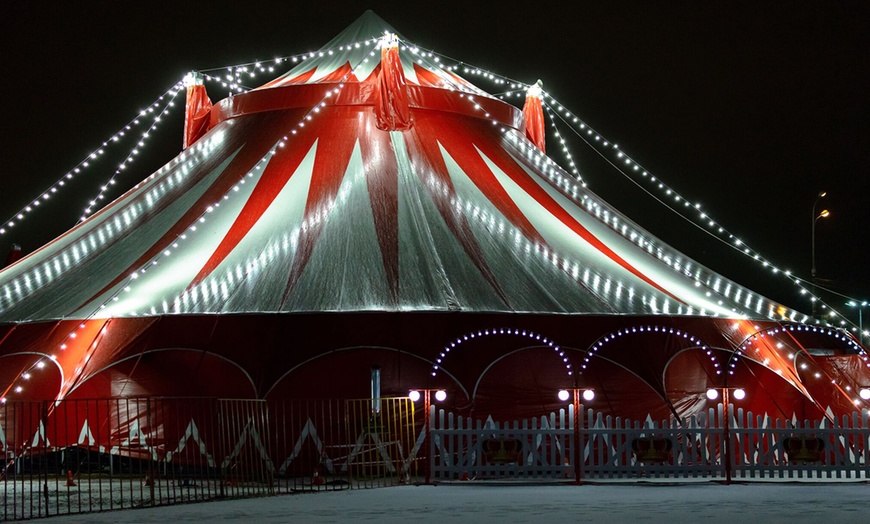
(83, 165)
(626, 165)
(135, 151)
(704, 222)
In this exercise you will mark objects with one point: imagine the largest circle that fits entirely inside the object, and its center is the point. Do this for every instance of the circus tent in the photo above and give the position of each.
(372, 208)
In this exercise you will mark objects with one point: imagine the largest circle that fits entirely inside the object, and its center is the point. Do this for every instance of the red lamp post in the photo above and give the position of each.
(575, 394)
(727, 392)
(440, 396)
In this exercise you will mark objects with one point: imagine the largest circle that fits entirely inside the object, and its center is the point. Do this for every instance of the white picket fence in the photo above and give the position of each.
(758, 447)
(462, 448)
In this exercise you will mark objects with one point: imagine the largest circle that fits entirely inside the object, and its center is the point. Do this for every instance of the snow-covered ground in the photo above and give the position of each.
(705, 503)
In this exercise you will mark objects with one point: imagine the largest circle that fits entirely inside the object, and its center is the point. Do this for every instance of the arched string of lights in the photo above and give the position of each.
(666, 330)
(755, 339)
(482, 333)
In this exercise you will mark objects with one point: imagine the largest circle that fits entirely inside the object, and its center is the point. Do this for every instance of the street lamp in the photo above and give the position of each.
(440, 396)
(824, 214)
(860, 305)
(738, 394)
(575, 394)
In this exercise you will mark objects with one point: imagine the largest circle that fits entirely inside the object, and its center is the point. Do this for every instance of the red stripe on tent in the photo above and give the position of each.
(335, 145)
(427, 78)
(382, 177)
(509, 166)
(373, 76)
(300, 79)
(459, 143)
(262, 133)
(424, 146)
(342, 74)
(272, 181)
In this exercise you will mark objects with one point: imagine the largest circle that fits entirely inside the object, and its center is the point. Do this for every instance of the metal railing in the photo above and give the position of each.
(81, 456)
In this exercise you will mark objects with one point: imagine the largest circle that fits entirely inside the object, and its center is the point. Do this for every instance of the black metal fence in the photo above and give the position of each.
(81, 456)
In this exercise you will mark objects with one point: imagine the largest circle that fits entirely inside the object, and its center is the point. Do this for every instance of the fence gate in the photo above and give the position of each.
(379, 446)
(246, 468)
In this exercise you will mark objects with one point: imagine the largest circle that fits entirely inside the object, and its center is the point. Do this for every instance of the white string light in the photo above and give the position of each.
(137, 148)
(665, 330)
(82, 166)
(544, 341)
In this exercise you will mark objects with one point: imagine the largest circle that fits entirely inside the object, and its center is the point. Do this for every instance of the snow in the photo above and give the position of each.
(708, 503)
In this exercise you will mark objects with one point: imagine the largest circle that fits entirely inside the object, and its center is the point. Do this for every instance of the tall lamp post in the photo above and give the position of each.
(440, 396)
(824, 214)
(860, 305)
(575, 394)
(727, 392)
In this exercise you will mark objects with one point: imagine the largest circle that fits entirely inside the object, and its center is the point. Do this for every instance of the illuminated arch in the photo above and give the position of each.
(16, 387)
(497, 332)
(603, 341)
(752, 339)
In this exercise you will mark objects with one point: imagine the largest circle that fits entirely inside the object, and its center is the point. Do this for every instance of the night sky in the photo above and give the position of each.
(750, 108)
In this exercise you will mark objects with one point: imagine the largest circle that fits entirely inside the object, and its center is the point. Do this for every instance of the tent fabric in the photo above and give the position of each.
(534, 113)
(391, 100)
(323, 224)
(196, 114)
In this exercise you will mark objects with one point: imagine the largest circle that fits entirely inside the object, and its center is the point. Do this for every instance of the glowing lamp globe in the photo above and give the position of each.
(440, 395)
(739, 394)
(712, 394)
(864, 393)
(563, 395)
(414, 395)
(588, 394)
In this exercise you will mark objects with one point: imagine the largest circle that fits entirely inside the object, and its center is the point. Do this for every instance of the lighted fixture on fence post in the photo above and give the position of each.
(575, 393)
(738, 394)
(440, 396)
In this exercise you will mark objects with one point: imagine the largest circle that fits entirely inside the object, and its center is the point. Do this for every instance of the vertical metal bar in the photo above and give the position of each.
(98, 423)
(120, 483)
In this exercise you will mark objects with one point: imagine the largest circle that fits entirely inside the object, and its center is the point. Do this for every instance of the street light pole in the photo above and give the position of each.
(816, 217)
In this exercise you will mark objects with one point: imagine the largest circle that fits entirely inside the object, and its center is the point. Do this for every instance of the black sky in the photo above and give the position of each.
(750, 108)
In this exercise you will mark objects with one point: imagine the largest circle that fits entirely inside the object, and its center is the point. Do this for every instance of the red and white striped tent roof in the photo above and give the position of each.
(295, 201)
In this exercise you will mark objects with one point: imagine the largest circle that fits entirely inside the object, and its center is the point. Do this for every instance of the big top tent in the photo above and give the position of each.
(371, 207)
